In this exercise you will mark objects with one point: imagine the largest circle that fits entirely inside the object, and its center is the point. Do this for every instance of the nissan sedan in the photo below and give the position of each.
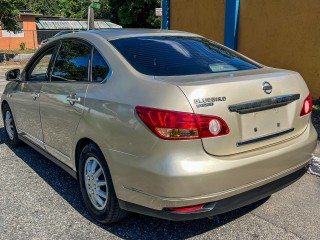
(163, 123)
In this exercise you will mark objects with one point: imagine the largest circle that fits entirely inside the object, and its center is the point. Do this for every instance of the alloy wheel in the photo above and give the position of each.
(96, 183)
(9, 125)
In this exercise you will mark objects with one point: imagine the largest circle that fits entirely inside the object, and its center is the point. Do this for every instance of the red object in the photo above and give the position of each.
(307, 106)
(186, 209)
(172, 125)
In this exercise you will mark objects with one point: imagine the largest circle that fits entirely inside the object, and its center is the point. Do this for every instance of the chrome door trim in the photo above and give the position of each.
(264, 138)
(263, 104)
(30, 137)
(63, 156)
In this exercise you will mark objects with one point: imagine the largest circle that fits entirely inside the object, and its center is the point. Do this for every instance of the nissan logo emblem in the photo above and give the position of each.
(266, 87)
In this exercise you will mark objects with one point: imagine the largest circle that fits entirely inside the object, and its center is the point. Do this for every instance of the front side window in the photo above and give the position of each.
(100, 68)
(72, 62)
(38, 72)
(176, 55)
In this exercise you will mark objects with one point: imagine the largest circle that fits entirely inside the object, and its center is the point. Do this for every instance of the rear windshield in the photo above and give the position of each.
(173, 56)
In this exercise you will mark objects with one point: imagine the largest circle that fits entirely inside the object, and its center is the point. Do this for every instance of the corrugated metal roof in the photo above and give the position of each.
(54, 24)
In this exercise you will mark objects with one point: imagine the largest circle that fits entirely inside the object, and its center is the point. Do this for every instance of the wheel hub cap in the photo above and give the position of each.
(9, 125)
(96, 183)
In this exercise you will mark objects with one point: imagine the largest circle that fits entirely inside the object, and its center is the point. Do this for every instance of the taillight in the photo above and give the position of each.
(173, 125)
(307, 106)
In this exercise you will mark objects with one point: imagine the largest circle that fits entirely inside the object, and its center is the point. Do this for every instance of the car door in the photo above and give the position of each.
(27, 94)
(62, 98)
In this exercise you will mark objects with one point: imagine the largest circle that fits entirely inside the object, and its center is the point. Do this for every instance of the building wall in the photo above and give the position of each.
(30, 35)
(277, 33)
(204, 17)
(283, 34)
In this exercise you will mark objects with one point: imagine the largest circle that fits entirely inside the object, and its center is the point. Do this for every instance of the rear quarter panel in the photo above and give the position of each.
(109, 118)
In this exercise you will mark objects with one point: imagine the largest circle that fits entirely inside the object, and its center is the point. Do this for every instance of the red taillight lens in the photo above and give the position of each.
(307, 106)
(186, 209)
(172, 125)
(211, 126)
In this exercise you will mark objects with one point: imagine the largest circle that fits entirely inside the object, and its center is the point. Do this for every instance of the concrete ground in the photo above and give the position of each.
(38, 200)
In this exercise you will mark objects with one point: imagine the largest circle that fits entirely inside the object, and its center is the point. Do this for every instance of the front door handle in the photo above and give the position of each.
(72, 99)
(35, 95)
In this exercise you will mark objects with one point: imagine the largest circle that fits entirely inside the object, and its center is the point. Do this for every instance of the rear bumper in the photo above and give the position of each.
(181, 174)
(220, 206)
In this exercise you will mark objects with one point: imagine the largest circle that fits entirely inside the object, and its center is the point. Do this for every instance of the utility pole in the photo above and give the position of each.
(90, 16)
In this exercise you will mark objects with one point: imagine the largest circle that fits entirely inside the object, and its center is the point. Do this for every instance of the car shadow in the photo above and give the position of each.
(135, 226)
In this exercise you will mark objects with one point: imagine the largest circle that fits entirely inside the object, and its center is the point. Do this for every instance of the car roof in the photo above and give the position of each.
(112, 34)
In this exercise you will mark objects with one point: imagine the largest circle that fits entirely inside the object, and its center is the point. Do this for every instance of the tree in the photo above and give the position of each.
(43, 7)
(139, 13)
(128, 13)
(73, 8)
(64, 8)
(9, 12)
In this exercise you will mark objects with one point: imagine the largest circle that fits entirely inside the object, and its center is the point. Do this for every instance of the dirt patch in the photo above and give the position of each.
(7, 65)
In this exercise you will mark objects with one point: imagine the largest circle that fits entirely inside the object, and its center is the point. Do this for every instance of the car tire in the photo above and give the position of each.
(10, 127)
(101, 201)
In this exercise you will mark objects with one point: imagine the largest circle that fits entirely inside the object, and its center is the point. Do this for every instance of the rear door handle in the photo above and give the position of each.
(35, 95)
(72, 99)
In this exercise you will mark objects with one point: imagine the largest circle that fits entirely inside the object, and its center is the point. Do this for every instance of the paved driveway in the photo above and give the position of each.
(38, 200)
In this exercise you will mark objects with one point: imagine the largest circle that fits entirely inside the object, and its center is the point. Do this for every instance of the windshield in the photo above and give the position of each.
(175, 55)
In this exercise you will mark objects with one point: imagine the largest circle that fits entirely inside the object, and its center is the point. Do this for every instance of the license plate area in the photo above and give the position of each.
(264, 123)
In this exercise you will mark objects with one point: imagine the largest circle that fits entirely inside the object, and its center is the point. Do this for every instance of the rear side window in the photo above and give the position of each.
(72, 62)
(173, 56)
(100, 68)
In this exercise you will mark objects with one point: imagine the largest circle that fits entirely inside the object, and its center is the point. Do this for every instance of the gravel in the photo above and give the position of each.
(314, 167)
(38, 200)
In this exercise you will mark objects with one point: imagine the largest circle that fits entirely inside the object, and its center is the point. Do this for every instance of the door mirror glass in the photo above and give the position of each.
(13, 75)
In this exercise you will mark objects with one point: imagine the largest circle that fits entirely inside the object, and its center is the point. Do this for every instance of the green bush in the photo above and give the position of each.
(22, 46)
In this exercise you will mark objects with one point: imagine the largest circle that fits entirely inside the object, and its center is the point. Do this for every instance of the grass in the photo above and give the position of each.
(18, 51)
(316, 107)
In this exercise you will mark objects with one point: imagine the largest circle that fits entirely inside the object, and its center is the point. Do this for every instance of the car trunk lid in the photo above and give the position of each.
(261, 107)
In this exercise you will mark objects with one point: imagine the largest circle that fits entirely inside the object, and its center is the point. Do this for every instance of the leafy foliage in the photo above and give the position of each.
(42, 7)
(135, 13)
(22, 46)
(128, 13)
(9, 11)
(65, 8)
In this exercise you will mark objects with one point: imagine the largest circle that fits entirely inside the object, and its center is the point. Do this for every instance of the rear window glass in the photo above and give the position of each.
(173, 56)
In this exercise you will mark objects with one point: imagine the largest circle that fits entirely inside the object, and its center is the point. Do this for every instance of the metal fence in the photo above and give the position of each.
(26, 39)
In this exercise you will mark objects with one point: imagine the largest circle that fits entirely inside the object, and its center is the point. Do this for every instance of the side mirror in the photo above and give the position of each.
(13, 75)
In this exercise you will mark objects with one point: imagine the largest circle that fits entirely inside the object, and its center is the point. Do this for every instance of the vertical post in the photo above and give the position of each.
(231, 24)
(34, 41)
(10, 41)
(90, 16)
(88, 22)
(165, 21)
